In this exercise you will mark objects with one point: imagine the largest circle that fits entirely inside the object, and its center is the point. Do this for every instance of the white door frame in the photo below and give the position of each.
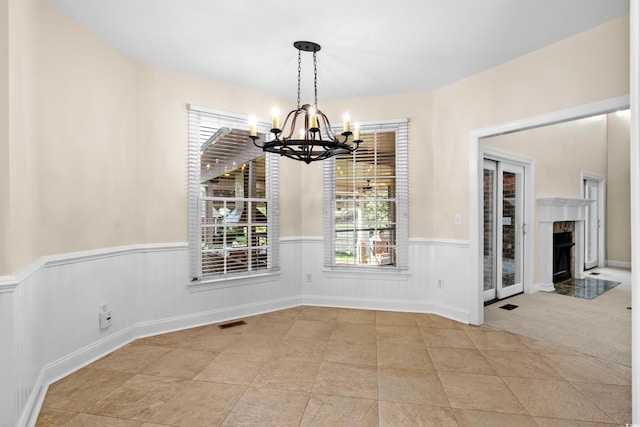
(476, 163)
(490, 153)
(602, 214)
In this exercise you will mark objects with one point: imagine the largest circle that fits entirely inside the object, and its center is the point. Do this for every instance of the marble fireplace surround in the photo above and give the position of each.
(553, 209)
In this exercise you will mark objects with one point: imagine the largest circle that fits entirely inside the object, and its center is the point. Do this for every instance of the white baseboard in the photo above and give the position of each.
(619, 264)
(426, 307)
(545, 287)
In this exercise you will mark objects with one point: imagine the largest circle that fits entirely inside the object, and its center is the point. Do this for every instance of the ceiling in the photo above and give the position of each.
(369, 48)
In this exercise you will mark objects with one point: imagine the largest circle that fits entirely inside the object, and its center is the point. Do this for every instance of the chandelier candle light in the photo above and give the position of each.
(315, 139)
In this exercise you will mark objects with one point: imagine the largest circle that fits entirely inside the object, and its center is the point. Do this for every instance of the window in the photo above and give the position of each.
(366, 200)
(233, 226)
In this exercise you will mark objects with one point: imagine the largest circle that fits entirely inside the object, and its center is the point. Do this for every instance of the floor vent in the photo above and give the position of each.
(509, 306)
(232, 324)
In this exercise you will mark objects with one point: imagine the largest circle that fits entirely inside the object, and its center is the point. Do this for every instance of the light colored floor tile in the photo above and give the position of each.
(584, 369)
(172, 339)
(347, 367)
(357, 316)
(555, 422)
(395, 318)
(362, 332)
(354, 352)
(213, 342)
(403, 355)
(84, 420)
(347, 380)
(199, 404)
(233, 368)
(50, 417)
(519, 364)
(301, 348)
(460, 360)
(82, 388)
(554, 399)
(330, 411)
(323, 314)
(410, 386)
(439, 322)
(480, 392)
(181, 363)
(399, 333)
(138, 398)
(132, 358)
(288, 374)
(314, 329)
(394, 414)
(547, 348)
(614, 400)
(495, 340)
(454, 338)
(269, 326)
(267, 407)
(471, 418)
(251, 343)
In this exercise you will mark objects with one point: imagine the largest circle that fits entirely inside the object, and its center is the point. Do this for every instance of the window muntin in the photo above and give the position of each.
(231, 199)
(366, 219)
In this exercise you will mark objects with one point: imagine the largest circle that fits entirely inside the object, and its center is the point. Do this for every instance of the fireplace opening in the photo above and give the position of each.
(562, 255)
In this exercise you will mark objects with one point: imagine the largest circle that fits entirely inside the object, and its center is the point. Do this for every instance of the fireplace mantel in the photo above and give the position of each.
(554, 209)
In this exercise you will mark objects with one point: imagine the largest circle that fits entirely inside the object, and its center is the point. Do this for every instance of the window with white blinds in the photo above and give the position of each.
(365, 193)
(233, 198)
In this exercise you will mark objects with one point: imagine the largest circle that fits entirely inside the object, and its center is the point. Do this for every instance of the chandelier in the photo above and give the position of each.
(306, 134)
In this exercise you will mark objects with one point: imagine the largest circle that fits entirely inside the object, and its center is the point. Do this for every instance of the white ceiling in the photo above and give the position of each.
(369, 47)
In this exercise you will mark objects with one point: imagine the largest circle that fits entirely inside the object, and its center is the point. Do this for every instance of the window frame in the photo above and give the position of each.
(195, 115)
(400, 127)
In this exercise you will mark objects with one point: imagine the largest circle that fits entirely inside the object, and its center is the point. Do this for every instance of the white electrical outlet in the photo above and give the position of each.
(104, 315)
(309, 277)
(440, 284)
(457, 219)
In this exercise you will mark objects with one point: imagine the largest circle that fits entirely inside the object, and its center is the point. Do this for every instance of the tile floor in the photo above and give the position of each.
(312, 366)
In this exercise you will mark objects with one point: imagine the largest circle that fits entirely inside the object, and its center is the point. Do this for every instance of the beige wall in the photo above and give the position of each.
(561, 153)
(98, 150)
(19, 127)
(5, 190)
(588, 67)
(85, 190)
(618, 188)
(161, 169)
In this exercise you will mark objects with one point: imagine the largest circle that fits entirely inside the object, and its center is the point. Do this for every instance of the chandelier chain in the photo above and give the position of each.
(299, 71)
(315, 81)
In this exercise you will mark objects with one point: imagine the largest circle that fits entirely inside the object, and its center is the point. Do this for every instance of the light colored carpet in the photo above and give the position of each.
(599, 327)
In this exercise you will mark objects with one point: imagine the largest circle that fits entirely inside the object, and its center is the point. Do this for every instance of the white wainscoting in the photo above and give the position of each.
(415, 290)
(49, 311)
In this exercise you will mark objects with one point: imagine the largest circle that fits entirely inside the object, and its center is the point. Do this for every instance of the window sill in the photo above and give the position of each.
(231, 282)
(383, 273)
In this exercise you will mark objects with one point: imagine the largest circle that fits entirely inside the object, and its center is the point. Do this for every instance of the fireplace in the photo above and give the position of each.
(562, 255)
(554, 216)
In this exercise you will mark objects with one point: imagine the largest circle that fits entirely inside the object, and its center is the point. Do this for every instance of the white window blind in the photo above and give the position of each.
(365, 195)
(233, 198)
